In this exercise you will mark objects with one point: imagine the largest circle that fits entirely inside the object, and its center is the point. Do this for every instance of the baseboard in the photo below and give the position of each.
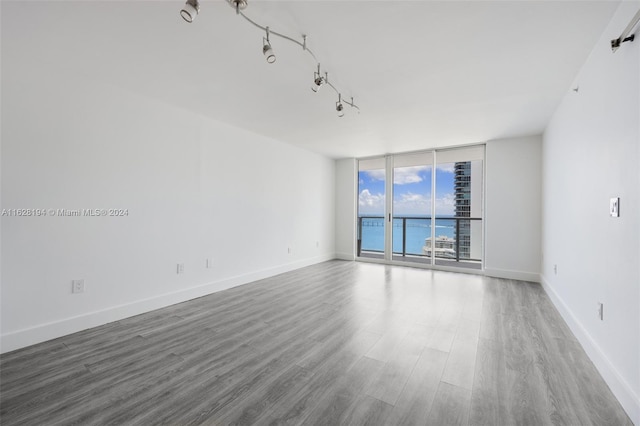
(512, 275)
(617, 383)
(345, 256)
(43, 332)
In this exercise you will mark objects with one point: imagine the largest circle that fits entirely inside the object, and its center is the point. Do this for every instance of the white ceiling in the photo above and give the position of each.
(424, 73)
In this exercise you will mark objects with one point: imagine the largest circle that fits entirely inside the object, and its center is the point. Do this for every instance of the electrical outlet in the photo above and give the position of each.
(601, 311)
(614, 207)
(180, 269)
(289, 250)
(317, 244)
(77, 286)
(209, 263)
(555, 269)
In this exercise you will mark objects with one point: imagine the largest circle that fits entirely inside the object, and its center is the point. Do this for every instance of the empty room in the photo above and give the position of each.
(264, 212)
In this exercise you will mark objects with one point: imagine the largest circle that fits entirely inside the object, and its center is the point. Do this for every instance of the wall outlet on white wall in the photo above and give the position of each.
(209, 263)
(555, 269)
(180, 268)
(77, 286)
(614, 207)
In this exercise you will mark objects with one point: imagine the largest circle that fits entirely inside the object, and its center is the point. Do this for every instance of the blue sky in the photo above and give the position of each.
(412, 191)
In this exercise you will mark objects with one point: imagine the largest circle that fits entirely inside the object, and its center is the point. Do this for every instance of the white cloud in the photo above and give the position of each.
(406, 204)
(404, 175)
(447, 168)
(376, 174)
(445, 205)
(370, 203)
(401, 175)
(413, 198)
(410, 203)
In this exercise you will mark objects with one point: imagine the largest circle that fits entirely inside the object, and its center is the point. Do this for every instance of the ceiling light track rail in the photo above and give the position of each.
(624, 37)
(191, 9)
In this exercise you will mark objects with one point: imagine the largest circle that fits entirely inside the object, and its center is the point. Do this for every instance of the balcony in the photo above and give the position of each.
(457, 242)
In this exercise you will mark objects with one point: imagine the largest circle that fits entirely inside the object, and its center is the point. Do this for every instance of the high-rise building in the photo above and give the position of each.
(462, 188)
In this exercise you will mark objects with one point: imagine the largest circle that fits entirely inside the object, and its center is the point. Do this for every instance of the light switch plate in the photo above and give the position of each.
(614, 207)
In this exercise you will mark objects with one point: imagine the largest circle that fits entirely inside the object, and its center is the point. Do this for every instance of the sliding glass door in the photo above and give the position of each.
(371, 208)
(412, 205)
(422, 207)
(457, 237)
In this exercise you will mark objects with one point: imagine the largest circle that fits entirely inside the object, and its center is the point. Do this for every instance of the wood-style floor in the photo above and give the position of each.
(335, 343)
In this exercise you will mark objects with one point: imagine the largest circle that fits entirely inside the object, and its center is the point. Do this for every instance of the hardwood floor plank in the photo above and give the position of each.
(299, 403)
(84, 407)
(396, 371)
(368, 411)
(489, 386)
(386, 346)
(461, 363)
(357, 341)
(450, 407)
(251, 409)
(336, 405)
(525, 400)
(562, 394)
(415, 400)
(440, 339)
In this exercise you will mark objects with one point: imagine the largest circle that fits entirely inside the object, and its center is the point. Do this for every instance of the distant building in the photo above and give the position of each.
(443, 247)
(462, 188)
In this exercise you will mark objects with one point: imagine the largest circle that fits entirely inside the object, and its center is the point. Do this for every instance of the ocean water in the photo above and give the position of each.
(417, 231)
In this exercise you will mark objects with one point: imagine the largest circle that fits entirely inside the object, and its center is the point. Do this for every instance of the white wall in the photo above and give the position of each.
(346, 208)
(194, 188)
(590, 154)
(513, 208)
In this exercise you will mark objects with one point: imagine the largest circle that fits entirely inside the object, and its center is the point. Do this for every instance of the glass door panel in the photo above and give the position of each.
(371, 208)
(457, 240)
(412, 205)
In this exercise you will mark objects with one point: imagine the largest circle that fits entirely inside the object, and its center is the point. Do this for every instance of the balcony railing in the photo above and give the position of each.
(404, 225)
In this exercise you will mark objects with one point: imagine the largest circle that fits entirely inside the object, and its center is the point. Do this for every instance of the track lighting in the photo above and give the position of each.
(190, 10)
(339, 106)
(267, 50)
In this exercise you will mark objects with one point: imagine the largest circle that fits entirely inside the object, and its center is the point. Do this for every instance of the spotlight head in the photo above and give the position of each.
(317, 82)
(238, 4)
(190, 10)
(340, 109)
(268, 53)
